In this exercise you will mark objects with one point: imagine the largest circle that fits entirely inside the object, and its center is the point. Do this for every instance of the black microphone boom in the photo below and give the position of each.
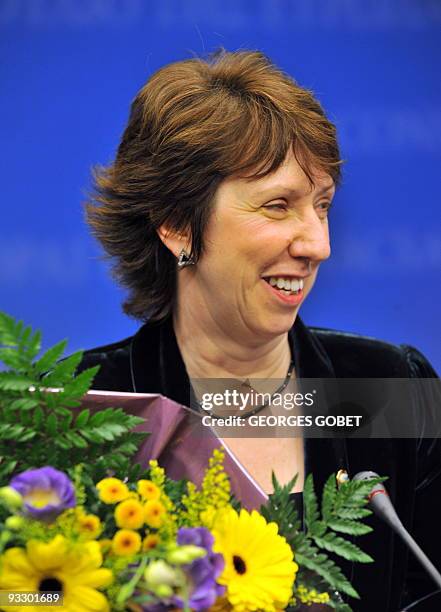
(380, 503)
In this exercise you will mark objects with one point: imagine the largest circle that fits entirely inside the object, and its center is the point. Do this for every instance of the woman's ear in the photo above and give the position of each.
(174, 241)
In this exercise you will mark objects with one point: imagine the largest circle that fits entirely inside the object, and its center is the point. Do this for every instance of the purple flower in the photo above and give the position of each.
(46, 492)
(202, 572)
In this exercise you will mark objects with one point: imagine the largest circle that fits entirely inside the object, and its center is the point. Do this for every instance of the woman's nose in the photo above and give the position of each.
(311, 240)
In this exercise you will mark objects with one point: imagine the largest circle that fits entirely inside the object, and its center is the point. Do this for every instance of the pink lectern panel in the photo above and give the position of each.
(178, 440)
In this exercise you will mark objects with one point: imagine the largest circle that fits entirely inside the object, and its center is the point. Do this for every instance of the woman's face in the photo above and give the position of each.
(263, 235)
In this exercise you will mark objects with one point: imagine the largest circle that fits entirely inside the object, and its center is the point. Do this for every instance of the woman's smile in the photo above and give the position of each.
(287, 289)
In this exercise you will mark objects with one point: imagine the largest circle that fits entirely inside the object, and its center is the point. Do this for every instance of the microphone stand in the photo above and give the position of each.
(380, 503)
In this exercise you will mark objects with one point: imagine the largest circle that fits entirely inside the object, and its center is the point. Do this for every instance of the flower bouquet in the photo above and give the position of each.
(86, 529)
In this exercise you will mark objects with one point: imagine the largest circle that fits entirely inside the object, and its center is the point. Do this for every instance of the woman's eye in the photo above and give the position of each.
(277, 206)
(323, 209)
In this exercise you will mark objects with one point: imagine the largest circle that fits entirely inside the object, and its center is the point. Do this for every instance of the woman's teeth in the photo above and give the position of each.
(287, 285)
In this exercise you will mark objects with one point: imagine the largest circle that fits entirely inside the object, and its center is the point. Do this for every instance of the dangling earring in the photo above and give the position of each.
(185, 260)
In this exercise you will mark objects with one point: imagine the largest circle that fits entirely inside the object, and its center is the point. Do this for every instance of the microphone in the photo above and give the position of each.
(380, 503)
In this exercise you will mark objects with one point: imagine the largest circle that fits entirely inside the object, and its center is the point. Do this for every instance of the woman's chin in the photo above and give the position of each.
(273, 325)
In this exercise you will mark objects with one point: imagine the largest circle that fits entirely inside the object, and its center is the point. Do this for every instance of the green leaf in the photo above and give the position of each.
(75, 439)
(67, 420)
(110, 431)
(24, 403)
(38, 417)
(339, 606)
(51, 425)
(27, 435)
(79, 385)
(92, 436)
(7, 466)
(98, 418)
(50, 357)
(25, 418)
(318, 528)
(9, 381)
(24, 340)
(282, 511)
(62, 443)
(339, 546)
(286, 488)
(327, 569)
(354, 513)
(310, 501)
(9, 330)
(328, 497)
(82, 418)
(63, 371)
(34, 345)
(41, 423)
(11, 431)
(13, 358)
(62, 411)
(355, 492)
(353, 528)
(128, 448)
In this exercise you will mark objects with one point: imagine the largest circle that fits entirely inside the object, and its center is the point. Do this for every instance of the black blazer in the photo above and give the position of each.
(150, 362)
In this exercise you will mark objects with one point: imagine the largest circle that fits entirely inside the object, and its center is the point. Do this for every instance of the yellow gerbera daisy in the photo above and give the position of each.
(129, 514)
(154, 512)
(73, 570)
(259, 569)
(126, 542)
(148, 490)
(112, 490)
(89, 526)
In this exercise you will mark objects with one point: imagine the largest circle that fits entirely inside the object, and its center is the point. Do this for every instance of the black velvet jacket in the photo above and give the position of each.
(151, 362)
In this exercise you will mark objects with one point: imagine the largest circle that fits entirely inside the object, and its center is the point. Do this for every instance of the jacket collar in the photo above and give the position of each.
(156, 364)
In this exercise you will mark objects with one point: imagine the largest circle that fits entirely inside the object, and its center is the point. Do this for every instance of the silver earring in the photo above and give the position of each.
(185, 260)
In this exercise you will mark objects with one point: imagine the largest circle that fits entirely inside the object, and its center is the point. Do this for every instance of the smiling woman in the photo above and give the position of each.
(194, 125)
(271, 234)
(215, 218)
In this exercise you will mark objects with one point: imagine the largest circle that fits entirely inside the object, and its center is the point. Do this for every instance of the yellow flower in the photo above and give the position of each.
(112, 490)
(154, 513)
(126, 542)
(148, 490)
(150, 541)
(313, 596)
(73, 570)
(259, 569)
(89, 526)
(208, 516)
(214, 494)
(129, 514)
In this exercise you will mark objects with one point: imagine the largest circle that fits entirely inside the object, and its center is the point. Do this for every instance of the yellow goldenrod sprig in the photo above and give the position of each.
(310, 596)
(214, 494)
(162, 507)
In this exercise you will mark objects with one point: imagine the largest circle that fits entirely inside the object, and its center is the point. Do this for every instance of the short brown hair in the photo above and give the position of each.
(194, 123)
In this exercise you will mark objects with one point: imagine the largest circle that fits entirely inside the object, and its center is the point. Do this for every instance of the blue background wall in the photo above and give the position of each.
(69, 69)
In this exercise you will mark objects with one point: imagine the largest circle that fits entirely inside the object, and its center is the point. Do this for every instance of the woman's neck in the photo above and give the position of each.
(210, 350)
